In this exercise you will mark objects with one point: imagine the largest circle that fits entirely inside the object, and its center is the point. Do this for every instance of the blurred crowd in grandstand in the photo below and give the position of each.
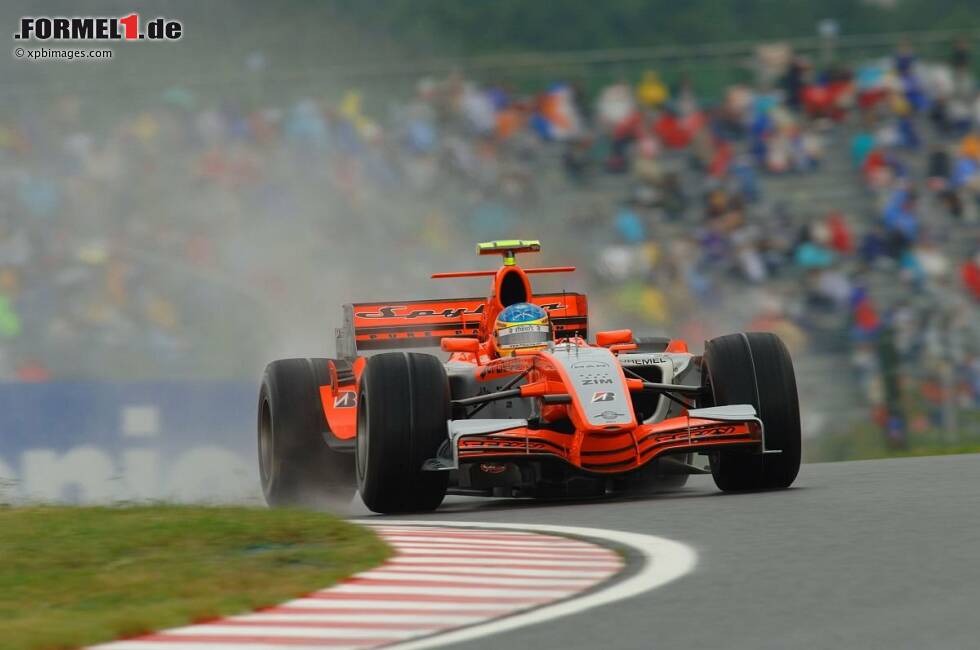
(149, 244)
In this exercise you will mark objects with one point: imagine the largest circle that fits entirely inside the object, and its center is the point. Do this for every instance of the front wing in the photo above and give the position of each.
(701, 430)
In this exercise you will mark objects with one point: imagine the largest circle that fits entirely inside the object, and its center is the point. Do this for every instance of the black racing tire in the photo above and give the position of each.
(296, 466)
(755, 368)
(402, 413)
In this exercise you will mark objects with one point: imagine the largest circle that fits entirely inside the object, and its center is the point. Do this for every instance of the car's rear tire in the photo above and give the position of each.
(296, 466)
(402, 414)
(755, 368)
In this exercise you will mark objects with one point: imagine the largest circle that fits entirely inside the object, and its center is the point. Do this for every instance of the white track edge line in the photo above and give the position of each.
(664, 561)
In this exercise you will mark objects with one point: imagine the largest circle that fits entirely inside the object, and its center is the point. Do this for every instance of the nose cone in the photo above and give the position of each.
(597, 386)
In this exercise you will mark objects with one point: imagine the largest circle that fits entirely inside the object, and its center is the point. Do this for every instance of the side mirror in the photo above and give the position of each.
(460, 344)
(614, 337)
(622, 347)
(334, 378)
(677, 345)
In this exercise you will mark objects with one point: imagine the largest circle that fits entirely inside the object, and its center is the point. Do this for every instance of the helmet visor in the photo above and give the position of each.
(523, 336)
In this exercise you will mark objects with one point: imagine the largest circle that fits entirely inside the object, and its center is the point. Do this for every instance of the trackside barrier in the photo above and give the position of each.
(94, 442)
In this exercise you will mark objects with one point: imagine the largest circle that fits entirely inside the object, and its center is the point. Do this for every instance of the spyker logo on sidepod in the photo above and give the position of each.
(345, 400)
(603, 396)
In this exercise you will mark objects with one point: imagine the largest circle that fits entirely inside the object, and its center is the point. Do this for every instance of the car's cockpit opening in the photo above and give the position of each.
(513, 289)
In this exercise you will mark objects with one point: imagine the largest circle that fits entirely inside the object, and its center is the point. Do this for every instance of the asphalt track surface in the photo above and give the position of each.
(870, 554)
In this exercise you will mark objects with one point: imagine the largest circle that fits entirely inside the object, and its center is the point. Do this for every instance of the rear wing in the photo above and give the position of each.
(424, 323)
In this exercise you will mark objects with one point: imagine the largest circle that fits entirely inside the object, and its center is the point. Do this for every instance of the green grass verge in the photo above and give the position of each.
(76, 576)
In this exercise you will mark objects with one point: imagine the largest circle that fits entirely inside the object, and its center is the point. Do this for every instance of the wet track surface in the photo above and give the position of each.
(870, 554)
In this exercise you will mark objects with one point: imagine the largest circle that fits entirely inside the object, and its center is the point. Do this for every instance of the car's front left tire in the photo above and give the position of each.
(755, 368)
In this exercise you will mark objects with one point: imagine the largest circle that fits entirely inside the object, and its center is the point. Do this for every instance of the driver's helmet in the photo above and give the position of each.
(521, 326)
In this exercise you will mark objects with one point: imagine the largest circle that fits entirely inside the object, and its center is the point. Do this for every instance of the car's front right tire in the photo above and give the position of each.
(402, 414)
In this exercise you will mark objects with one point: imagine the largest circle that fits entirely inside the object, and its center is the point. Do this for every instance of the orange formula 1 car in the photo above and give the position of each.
(523, 406)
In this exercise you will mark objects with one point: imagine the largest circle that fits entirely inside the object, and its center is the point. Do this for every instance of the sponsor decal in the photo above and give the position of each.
(492, 468)
(593, 380)
(713, 430)
(552, 305)
(643, 361)
(603, 396)
(611, 415)
(520, 329)
(500, 443)
(389, 311)
(399, 311)
(345, 400)
(696, 433)
(670, 437)
(505, 367)
(589, 365)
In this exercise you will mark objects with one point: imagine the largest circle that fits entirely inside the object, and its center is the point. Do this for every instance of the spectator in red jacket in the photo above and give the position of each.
(841, 238)
(970, 272)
